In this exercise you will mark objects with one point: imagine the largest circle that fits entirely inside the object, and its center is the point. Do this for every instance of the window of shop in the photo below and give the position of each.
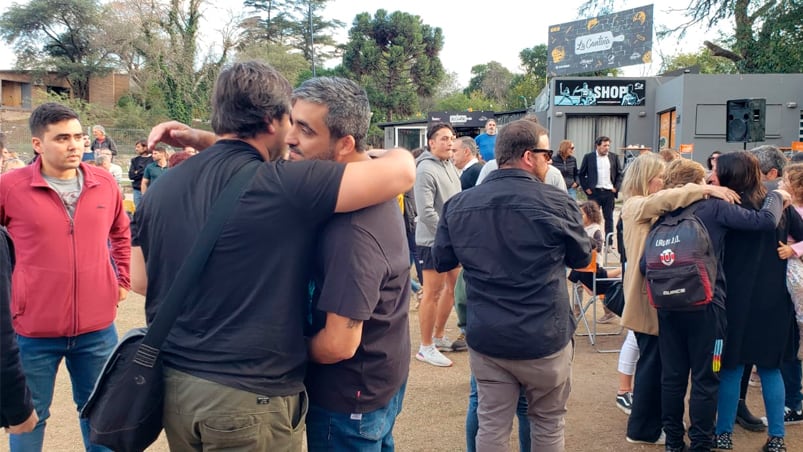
(584, 130)
(666, 133)
(411, 137)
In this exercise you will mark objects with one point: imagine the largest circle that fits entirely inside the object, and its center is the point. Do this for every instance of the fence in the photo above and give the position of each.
(17, 137)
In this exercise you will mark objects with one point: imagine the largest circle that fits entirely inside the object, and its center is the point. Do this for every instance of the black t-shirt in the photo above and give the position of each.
(242, 325)
(363, 273)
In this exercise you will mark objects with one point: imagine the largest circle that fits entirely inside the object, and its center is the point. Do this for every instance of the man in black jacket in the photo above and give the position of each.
(466, 159)
(16, 411)
(519, 323)
(600, 177)
(137, 168)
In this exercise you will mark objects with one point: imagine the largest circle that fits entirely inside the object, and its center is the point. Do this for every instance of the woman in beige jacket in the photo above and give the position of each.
(645, 201)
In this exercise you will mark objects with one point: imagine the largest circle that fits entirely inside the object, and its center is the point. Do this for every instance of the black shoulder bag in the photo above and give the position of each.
(125, 408)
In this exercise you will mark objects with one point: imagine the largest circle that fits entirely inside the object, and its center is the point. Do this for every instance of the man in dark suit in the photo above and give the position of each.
(466, 159)
(600, 177)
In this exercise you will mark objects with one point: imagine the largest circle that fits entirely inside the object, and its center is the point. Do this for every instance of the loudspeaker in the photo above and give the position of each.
(745, 120)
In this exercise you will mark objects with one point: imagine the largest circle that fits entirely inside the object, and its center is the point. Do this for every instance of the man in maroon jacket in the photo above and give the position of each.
(64, 217)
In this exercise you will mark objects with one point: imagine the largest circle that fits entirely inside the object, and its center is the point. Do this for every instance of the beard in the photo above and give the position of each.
(298, 154)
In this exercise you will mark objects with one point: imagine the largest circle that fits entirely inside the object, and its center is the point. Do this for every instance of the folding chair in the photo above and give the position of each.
(577, 300)
(608, 249)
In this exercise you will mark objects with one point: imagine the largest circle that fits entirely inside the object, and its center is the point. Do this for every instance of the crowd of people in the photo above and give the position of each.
(321, 350)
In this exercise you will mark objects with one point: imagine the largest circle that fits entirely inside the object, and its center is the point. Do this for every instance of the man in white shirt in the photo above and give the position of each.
(600, 176)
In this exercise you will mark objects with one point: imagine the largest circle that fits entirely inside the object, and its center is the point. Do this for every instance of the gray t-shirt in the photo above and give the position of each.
(68, 189)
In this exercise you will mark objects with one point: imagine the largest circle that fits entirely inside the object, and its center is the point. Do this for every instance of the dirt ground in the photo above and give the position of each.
(435, 403)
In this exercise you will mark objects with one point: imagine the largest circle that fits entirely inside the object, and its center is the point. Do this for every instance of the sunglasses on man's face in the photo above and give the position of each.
(548, 152)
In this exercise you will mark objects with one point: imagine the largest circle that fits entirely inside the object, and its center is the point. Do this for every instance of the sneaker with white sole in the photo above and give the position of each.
(790, 417)
(443, 343)
(625, 402)
(660, 441)
(431, 355)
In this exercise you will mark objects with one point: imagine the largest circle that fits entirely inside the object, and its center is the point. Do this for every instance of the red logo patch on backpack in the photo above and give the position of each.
(680, 261)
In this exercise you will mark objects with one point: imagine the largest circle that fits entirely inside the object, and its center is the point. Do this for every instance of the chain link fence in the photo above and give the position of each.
(17, 138)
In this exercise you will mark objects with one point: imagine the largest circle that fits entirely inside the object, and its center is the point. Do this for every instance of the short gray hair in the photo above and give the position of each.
(348, 109)
(99, 128)
(103, 159)
(769, 157)
(468, 142)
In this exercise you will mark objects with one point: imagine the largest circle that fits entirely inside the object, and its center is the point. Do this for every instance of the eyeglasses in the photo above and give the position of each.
(548, 152)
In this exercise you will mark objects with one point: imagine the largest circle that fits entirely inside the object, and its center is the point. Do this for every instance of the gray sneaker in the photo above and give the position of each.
(459, 344)
(443, 343)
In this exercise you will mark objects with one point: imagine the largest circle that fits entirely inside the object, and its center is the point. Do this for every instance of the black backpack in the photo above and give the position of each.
(681, 264)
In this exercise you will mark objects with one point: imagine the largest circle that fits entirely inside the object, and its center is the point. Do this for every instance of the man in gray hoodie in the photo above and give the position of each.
(436, 181)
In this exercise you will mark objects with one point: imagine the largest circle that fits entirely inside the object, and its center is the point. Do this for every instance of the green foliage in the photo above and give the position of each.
(778, 43)
(306, 74)
(290, 64)
(395, 57)
(492, 80)
(534, 60)
(708, 63)
(460, 101)
(287, 23)
(523, 90)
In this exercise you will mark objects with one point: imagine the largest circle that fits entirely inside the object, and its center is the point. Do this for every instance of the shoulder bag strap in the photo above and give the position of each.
(190, 270)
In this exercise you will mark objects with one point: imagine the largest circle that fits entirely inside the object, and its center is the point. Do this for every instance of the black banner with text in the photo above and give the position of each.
(615, 40)
(589, 92)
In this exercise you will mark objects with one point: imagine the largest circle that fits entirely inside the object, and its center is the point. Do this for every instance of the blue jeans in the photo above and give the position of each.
(772, 390)
(85, 355)
(365, 432)
(473, 424)
(137, 197)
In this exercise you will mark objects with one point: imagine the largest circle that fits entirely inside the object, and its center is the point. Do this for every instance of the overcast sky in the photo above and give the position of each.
(491, 31)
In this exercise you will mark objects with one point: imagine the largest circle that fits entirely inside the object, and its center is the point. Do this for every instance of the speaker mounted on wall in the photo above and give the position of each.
(745, 121)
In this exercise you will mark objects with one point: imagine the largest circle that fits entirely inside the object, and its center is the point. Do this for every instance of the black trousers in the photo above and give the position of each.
(606, 200)
(687, 343)
(644, 423)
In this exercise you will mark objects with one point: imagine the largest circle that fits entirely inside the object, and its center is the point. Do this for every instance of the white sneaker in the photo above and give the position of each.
(443, 344)
(431, 355)
(661, 440)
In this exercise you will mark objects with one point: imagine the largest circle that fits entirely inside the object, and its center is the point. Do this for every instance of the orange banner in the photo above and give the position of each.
(686, 148)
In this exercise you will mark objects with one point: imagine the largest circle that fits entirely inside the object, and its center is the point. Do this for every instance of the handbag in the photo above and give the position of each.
(126, 405)
(615, 298)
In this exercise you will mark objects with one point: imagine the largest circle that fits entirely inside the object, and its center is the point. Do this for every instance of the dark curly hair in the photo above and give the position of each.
(592, 211)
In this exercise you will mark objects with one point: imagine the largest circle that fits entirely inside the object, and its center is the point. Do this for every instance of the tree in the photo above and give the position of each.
(395, 57)
(288, 23)
(291, 65)
(523, 90)
(271, 22)
(766, 33)
(459, 101)
(492, 80)
(318, 42)
(164, 54)
(704, 59)
(534, 60)
(60, 36)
